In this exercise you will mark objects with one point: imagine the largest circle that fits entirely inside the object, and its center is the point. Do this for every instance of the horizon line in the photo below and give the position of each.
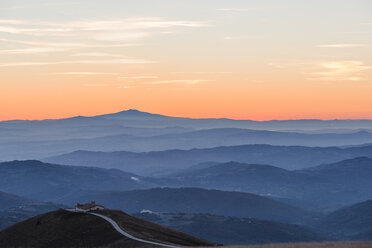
(210, 118)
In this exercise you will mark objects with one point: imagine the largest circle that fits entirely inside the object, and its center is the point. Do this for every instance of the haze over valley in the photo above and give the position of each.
(188, 123)
(255, 181)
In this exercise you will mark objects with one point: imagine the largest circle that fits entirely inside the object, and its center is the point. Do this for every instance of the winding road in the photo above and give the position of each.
(121, 231)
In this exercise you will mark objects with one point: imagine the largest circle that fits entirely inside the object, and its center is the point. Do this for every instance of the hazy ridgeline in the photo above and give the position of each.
(279, 181)
(138, 132)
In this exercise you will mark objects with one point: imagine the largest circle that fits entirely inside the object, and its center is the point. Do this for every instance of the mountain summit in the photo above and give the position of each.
(131, 113)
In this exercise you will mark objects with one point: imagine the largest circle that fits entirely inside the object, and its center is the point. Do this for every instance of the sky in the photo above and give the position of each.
(241, 59)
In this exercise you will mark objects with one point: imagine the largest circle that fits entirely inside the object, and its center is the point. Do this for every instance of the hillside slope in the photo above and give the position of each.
(42, 181)
(14, 209)
(189, 140)
(168, 161)
(354, 222)
(22, 212)
(66, 229)
(9, 200)
(232, 230)
(329, 186)
(346, 182)
(125, 130)
(194, 200)
(253, 178)
(313, 245)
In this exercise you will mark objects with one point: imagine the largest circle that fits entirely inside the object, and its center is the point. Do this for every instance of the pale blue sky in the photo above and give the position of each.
(205, 46)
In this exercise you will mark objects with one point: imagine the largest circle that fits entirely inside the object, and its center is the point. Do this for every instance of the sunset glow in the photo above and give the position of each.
(239, 59)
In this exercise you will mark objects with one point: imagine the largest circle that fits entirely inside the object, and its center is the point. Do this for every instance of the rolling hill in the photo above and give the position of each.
(188, 140)
(9, 200)
(232, 230)
(347, 182)
(19, 213)
(14, 209)
(42, 181)
(171, 161)
(350, 223)
(141, 132)
(254, 178)
(143, 119)
(194, 200)
(325, 187)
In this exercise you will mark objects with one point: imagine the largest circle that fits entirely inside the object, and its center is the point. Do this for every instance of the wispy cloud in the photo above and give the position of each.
(348, 70)
(128, 23)
(96, 34)
(85, 73)
(202, 72)
(184, 81)
(94, 54)
(234, 9)
(278, 65)
(145, 77)
(9, 21)
(125, 87)
(40, 43)
(129, 36)
(235, 37)
(69, 44)
(33, 50)
(94, 85)
(111, 61)
(341, 45)
(138, 77)
(107, 27)
(36, 31)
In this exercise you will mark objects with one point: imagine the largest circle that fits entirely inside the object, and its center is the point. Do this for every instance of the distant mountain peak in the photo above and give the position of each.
(130, 113)
(134, 111)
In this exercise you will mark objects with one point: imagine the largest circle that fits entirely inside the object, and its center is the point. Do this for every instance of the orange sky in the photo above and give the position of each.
(236, 59)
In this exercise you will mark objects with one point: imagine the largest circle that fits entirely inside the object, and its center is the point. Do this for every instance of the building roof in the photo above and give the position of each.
(87, 206)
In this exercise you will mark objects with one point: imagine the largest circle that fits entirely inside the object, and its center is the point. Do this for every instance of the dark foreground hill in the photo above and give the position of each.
(66, 229)
(351, 223)
(194, 200)
(314, 245)
(232, 230)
